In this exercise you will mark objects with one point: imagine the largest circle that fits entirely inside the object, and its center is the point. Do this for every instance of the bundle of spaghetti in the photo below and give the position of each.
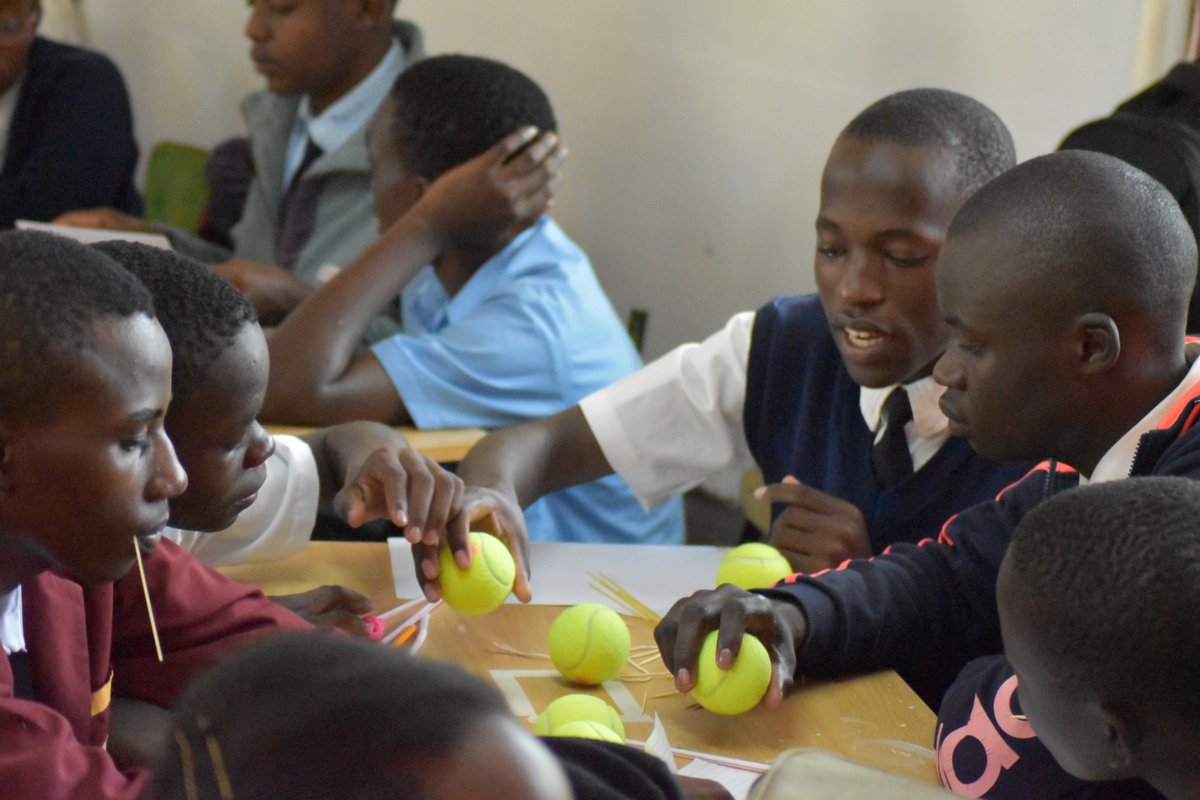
(614, 592)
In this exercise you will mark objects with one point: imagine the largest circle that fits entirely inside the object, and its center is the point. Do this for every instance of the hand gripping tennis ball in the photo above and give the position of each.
(578, 708)
(589, 643)
(482, 587)
(582, 729)
(752, 566)
(737, 689)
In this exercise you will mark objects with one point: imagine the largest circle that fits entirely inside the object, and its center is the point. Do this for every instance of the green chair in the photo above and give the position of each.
(176, 190)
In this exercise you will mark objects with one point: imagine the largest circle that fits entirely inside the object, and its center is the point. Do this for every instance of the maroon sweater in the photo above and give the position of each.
(85, 643)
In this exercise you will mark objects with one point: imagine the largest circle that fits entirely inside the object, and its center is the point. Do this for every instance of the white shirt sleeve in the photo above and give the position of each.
(671, 424)
(278, 523)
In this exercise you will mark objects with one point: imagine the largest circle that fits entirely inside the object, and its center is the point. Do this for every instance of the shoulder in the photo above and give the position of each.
(47, 56)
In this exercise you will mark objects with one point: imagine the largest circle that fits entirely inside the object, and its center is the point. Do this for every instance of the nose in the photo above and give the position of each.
(863, 281)
(262, 446)
(947, 370)
(256, 26)
(168, 480)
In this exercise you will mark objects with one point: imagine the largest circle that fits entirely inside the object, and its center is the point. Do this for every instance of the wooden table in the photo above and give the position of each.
(447, 445)
(875, 719)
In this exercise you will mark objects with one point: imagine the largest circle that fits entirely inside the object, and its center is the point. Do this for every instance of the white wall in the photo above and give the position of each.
(697, 127)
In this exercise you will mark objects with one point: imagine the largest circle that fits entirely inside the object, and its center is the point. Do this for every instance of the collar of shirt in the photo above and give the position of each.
(335, 125)
(427, 307)
(923, 396)
(8, 107)
(1116, 463)
(12, 625)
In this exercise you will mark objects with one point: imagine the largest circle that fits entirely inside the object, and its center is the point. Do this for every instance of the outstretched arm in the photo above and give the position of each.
(506, 471)
(368, 471)
(319, 374)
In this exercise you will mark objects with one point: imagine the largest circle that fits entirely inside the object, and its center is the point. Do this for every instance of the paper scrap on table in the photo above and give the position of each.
(659, 746)
(736, 781)
(657, 575)
(93, 235)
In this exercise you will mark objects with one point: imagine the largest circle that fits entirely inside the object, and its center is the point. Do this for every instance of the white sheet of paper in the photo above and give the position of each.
(92, 235)
(657, 575)
(736, 781)
(657, 744)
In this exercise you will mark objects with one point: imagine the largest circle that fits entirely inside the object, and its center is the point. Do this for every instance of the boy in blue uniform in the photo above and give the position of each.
(501, 323)
(800, 387)
(1066, 282)
(1097, 597)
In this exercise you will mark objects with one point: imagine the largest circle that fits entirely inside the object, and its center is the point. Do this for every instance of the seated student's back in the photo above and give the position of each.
(503, 326)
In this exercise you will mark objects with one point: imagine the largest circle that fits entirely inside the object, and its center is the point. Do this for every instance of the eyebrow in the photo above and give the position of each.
(145, 415)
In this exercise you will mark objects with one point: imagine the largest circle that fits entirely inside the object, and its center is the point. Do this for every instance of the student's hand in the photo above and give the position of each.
(107, 218)
(817, 530)
(701, 789)
(492, 197)
(403, 486)
(272, 290)
(731, 612)
(330, 607)
(483, 509)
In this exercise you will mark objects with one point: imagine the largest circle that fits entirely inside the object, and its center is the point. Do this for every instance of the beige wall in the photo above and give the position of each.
(697, 127)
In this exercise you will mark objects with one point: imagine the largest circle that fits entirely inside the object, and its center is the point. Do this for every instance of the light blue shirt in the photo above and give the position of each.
(531, 333)
(334, 126)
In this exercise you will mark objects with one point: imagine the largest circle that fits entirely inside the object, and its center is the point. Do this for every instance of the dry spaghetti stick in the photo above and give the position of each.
(641, 609)
(137, 551)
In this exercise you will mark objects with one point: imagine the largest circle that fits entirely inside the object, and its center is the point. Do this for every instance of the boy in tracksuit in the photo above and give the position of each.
(1065, 282)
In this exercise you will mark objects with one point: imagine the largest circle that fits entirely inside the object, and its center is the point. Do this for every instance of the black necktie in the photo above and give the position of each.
(312, 151)
(890, 457)
(298, 214)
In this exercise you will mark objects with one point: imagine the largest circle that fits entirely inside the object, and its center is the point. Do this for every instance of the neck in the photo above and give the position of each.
(18, 562)
(455, 266)
(1129, 397)
(360, 68)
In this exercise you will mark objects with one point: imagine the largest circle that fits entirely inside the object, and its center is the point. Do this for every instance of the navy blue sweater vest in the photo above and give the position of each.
(802, 418)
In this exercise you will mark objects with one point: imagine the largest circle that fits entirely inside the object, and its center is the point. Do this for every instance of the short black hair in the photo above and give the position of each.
(449, 109)
(981, 143)
(53, 292)
(307, 716)
(1115, 570)
(201, 312)
(1105, 235)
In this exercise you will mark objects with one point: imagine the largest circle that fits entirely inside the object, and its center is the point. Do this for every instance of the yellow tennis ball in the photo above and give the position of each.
(585, 729)
(752, 566)
(483, 586)
(589, 643)
(578, 708)
(737, 689)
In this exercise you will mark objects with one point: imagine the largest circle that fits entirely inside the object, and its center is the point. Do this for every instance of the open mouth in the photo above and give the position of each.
(863, 339)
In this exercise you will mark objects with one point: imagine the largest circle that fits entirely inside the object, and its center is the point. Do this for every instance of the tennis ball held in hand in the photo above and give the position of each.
(483, 586)
(735, 690)
(589, 643)
(753, 565)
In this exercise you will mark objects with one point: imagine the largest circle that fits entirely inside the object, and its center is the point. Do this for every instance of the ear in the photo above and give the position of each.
(1124, 739)
(1098, 342)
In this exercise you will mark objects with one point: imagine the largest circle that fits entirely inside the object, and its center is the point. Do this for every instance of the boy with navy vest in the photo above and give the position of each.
(1066, 283)
(808, 387)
